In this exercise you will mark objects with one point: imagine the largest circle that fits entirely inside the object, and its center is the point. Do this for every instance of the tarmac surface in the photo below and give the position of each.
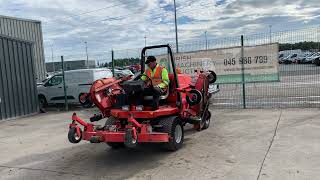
(239, 144)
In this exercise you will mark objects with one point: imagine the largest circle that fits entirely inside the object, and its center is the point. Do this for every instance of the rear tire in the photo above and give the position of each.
(115, 145)
(173, 126)
(207, 120)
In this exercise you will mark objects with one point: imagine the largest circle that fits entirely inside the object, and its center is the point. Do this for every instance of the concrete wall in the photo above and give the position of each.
(28, 30)
(18, 91)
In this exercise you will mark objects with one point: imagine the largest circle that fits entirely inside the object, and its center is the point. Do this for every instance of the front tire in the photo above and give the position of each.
(173, 126)
(42, 103)
(73, 137)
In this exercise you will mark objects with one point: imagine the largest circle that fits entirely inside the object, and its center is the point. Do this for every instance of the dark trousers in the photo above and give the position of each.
(156, 93)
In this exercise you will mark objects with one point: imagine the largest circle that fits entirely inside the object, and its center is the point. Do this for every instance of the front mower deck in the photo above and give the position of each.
(147, 114)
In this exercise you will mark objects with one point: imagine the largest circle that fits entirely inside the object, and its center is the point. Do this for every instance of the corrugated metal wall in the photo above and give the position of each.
(26, 30)
(18, 89)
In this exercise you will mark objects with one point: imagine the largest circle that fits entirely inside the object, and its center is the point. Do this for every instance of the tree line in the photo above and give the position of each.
(300, 45)
(123, 62)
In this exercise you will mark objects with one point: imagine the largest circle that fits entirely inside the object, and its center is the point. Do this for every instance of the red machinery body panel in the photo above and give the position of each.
(187, 101)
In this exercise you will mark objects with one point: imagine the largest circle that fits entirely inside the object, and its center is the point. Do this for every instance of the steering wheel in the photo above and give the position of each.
(148, 81)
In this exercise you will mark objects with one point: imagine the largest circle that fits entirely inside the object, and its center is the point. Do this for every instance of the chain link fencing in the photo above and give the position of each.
(265, 70)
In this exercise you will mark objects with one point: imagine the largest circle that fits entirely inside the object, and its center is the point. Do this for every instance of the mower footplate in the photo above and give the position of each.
(162, 111)
(108, 136)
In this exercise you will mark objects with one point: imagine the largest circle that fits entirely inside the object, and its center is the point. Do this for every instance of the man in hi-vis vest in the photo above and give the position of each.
(160, 81)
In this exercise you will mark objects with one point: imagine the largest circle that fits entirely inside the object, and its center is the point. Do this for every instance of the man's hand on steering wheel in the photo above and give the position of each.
(148, 81)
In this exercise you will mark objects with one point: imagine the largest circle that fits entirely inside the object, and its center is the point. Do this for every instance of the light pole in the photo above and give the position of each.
(205, 34)
(176, 27)
(87, 54)
(52, 58)
(145, 40)
(318, 31)
(270, 26)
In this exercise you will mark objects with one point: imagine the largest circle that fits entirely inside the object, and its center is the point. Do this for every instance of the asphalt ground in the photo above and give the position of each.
(299, 86)
(239, 144)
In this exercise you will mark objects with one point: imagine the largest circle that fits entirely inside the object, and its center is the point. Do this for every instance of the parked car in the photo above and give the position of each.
(281, 56)
(315, 59)
(78, 82)
(48, 76)
(120, 73)
(290, 59)
(301, 58)
(304, 58)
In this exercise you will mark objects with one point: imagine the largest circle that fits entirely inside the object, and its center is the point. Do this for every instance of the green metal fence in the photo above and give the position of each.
(290, 82)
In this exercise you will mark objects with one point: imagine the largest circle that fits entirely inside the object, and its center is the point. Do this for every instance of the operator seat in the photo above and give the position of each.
(165, 96)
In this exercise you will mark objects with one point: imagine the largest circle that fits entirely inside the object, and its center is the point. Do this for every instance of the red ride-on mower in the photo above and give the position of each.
(186, 101)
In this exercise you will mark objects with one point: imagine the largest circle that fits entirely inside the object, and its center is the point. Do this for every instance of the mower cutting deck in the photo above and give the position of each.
(187, 101)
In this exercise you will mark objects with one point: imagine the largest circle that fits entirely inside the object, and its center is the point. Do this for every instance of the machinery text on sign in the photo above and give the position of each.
(259, 63)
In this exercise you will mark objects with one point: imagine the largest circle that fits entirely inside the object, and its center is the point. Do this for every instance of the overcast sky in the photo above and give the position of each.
(121, 24)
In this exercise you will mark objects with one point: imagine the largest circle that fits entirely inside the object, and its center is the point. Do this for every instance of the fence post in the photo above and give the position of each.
(112, 62)
(243, 77)
(64, 85)
(318, 37)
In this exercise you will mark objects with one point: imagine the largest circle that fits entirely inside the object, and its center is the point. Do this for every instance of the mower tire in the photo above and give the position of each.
(195, 98)
(72, 135)
(207, 121)
(212, 77)
(174, 127)
(115, 145)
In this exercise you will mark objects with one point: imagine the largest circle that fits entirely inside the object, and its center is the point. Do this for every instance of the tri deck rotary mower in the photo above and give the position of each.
(186, 101)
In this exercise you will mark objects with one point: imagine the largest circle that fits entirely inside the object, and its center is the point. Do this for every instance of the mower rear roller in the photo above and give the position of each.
(109, 122)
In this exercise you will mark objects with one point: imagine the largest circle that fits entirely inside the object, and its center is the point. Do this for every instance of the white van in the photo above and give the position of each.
(78, 82)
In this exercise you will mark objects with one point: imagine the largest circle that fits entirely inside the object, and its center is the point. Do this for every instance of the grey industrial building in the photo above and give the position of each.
(21, 66)
(29, 30)
(18, 90)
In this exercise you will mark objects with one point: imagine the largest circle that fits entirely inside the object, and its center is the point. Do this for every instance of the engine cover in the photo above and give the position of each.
(131, 87)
